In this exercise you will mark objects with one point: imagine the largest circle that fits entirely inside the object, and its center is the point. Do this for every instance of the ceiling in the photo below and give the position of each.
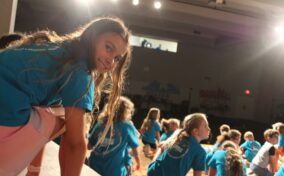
(200, 21)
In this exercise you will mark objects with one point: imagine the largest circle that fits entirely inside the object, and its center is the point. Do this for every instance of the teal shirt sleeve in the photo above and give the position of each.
(76, 93)
(212, 162)
(157, 127)
(133, 140)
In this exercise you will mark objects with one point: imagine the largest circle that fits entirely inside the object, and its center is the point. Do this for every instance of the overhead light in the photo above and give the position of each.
(135, 2)
(157, 4)
(279, 29)
(84, 2)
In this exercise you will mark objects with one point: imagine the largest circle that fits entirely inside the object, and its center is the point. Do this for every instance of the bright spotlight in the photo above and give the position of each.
(157, 4)
(279, 29)
(135, 2)
(84, 2)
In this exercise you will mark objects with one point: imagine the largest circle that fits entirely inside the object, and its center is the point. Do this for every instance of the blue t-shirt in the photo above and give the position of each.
(150, 134)
(210, 153)
(251, 148)
(165, 136)
(280, 171)
(179, 159)
(109, 158)
(281, 140)
(28, 77)
(218, 162)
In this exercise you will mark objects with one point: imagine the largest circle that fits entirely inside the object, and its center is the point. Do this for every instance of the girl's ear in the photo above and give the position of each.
(194, 132)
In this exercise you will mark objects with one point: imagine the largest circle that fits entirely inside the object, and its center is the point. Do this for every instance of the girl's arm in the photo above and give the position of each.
(197, 173)
(211, 172)
(136, 157)
(73, 144)
(273, 163)
(141, 131)
(157, 154)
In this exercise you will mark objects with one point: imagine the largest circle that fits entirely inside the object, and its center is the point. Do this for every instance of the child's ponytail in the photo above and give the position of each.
(234, 163)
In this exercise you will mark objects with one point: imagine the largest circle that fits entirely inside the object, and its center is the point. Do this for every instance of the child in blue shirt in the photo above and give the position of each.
(209, 154)
(108, 157)
(226, 161)
(169, 127)
(150, 131)
(250, 147)
(184, 151)
(44, 67)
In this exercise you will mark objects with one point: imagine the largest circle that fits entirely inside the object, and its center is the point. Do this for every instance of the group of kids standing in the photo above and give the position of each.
(41, 70)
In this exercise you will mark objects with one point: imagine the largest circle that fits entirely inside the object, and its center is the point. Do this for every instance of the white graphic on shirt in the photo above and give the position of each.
(178, 150)
(110, 143)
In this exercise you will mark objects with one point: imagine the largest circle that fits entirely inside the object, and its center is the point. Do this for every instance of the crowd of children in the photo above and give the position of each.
(178, 150)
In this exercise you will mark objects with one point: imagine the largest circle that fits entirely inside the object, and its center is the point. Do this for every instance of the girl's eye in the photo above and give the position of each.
(108, 48)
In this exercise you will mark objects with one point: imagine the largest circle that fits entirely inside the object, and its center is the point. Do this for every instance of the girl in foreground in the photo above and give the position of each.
(43, 68)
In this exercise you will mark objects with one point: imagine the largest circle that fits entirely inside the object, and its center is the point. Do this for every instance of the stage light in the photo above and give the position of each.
(84, 2)
(135, 2)
(279, 31)
(157, 4)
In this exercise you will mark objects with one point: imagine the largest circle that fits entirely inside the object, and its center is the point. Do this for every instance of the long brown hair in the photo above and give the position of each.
(82, 41)
(190, 122)
(123, 104)
(233, 160)
(153, 115)
(234, 163)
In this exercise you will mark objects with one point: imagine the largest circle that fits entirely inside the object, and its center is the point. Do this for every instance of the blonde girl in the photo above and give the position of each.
(184, 152)
(227, 161)
(169, 126)
(108, 158)
(43, 68)
(150, 129)
(235, 136)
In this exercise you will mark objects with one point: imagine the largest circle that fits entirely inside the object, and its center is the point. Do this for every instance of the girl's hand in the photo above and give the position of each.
(137, 167)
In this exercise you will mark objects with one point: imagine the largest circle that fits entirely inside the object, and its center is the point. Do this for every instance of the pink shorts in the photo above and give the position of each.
(19, 145)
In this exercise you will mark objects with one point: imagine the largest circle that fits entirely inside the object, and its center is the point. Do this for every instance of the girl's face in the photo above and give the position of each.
(273, 140)
(172, 126)
(203, 131)
(237, 140)
(128, 112)
(109, 49)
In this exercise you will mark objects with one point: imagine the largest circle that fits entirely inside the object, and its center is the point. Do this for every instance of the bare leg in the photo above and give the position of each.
(34, 167)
